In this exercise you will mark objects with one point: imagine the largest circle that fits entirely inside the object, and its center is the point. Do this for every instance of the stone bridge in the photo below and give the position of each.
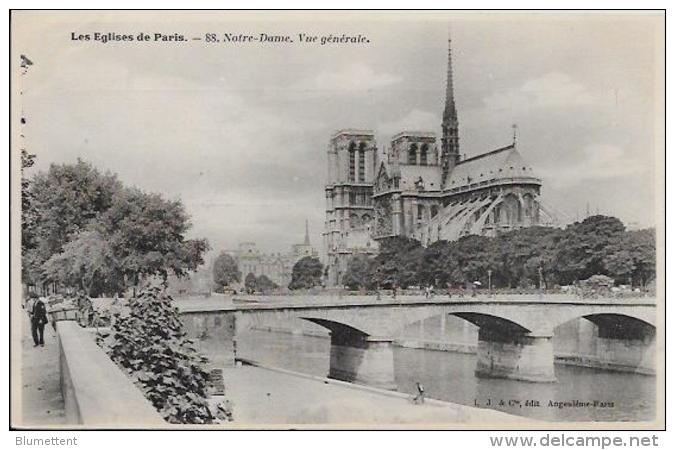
(514, 336)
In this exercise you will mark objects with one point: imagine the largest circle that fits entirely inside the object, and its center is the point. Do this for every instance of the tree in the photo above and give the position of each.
(150, 343)
(546, 258)
(522, 254)
(306, 273)
(475, 256)
(533, 256)
(136, 234)
(264, 284)
(27, 212)
(632, 257)
(643, 247)
(397, 263)
(358, 273)
(250, 282)
(438, 264)
(146, 235)
(225, 270)
(87, 263)
(619, 263)
(583, 247)
(62, 201)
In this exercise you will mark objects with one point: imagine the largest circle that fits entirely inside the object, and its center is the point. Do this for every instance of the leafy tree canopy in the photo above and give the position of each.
(529, 257)
(306, 273)
(250, 282)
(397, 263)
(88, 263)
(583, 247)
(225, 270)
(264, 283)
(358, 271)
(91, 232)
(146, 233)
(63, 201)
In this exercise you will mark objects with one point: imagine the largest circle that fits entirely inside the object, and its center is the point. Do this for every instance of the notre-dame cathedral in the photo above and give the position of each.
(421, 190)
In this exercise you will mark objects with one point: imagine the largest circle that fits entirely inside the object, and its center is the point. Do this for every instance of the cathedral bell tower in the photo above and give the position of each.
(349, 204)
(450, 125)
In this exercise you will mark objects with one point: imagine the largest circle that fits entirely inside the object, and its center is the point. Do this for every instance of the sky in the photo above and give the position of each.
(239, 132)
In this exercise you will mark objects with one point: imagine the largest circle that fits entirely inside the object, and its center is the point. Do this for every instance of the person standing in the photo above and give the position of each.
(419, 398)
(38, 319)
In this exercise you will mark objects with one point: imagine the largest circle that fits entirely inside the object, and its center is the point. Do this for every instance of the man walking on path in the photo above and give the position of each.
(41, 400)
(419, 398)
(37, 312)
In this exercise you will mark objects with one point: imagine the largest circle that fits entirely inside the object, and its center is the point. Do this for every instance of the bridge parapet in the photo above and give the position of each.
(386, 317)
(328, 300)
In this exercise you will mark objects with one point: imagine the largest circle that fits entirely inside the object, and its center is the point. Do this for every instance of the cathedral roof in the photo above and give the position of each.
(500, 164)
(387, 170)
(352, 132)
(410, 174)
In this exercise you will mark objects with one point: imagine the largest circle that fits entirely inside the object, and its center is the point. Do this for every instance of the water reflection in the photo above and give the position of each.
(450, 376)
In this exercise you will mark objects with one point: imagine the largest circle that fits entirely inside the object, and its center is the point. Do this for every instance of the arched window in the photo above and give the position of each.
(362, 162)
(510, 210)
(423, 154)
(420, 212)
(352, 162)
(497, 214)
(412, 154)
(528, 203)
(434, 210)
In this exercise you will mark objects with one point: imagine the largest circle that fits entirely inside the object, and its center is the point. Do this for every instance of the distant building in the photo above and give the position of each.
(633, 226)
(278, 267)
(421, 189)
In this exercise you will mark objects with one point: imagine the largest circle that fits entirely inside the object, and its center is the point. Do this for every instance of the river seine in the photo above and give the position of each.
(580, 394)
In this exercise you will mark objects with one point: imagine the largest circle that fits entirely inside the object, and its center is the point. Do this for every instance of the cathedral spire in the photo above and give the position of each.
(450, 112)
(450, 124)
(306, 232)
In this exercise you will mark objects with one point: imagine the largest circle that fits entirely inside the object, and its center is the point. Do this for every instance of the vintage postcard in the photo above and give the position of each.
(337, 220)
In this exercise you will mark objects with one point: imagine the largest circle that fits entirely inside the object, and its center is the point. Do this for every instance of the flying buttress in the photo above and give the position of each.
(478, 225)
(453, 231)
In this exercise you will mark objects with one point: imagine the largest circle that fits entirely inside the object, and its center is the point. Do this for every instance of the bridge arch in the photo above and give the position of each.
(602, 315)
(341, 333)
(491, 321)
(493, 328)
(608, 340)
(619, 326)
(477, 314)
(508, 349)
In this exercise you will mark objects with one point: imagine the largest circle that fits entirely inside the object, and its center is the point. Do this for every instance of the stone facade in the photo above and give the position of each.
(278, 267)
(349, 200)
(421, 191)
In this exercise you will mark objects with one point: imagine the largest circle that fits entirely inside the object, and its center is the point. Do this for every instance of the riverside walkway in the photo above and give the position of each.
(272, 397)
(262, 397)
(41, 400)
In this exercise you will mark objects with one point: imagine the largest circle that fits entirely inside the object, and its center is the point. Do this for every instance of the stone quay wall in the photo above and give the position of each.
(96, 392)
